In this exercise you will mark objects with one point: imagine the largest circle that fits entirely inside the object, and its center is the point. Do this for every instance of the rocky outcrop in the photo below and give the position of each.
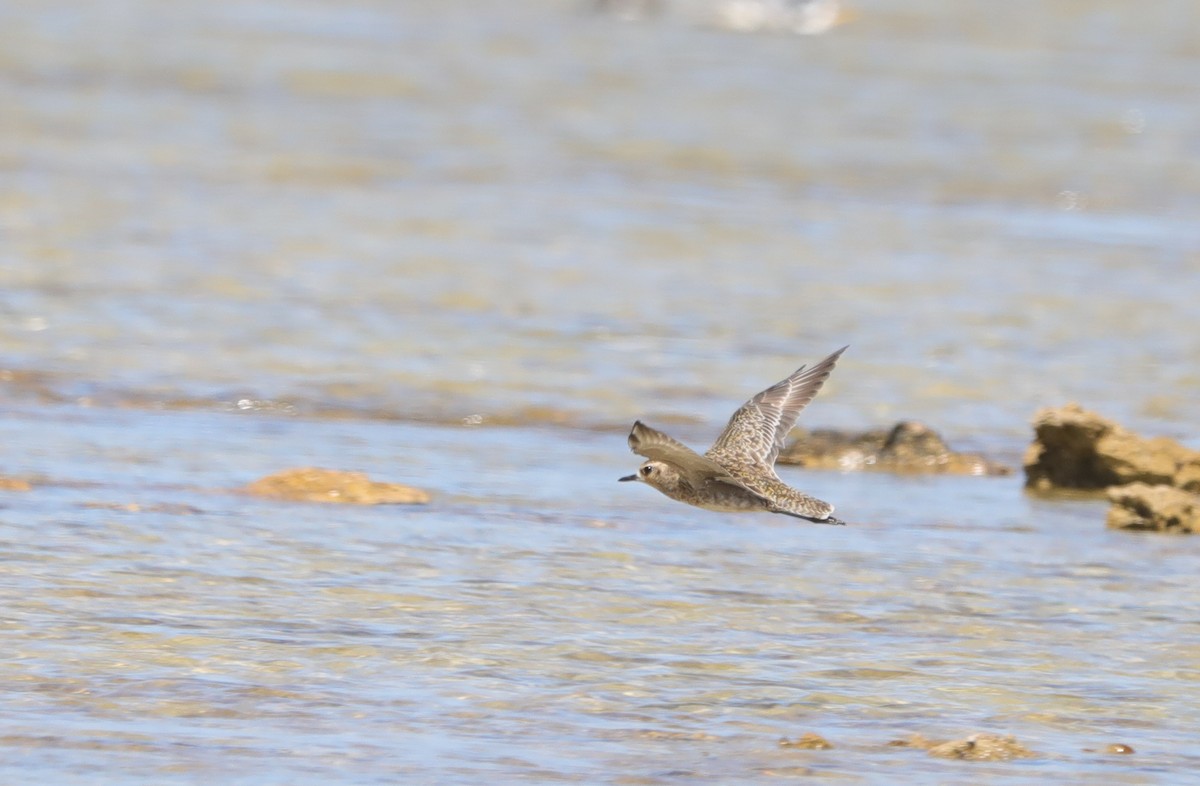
(977, 747)
(1077, 449)
(310, 484)
(907, 447)
(982, 747)
(1160, 508)
(1151, 482)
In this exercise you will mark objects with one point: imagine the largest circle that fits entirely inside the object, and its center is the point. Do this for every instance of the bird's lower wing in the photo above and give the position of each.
(787, 500)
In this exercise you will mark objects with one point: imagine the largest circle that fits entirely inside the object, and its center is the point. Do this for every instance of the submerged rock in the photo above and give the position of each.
(907, 447)
(311, 484)
(977, 747)
(139, 507)
(810, 741)
(14, 484)
(1077, 449)
(1161, 508)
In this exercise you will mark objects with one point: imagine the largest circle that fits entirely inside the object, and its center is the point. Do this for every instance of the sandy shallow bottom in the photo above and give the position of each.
(539, 621)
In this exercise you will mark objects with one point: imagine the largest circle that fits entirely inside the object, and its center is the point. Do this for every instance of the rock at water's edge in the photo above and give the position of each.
(907, 447)
(1161, 508)
(1077, 449)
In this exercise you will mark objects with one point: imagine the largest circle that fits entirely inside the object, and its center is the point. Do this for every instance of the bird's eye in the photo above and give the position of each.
(646, 471)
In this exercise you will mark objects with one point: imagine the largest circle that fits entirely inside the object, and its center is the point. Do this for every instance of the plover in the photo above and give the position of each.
(738, 471)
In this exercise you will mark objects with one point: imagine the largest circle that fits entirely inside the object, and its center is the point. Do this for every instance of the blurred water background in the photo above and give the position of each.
(462, 245)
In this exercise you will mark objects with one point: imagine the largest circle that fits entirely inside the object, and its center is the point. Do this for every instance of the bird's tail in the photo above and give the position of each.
(813, 519)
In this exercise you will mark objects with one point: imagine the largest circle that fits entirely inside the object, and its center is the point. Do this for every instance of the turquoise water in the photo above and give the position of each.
(463, 247)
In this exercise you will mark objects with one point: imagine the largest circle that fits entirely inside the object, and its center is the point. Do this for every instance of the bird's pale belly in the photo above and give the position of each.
(719, 497)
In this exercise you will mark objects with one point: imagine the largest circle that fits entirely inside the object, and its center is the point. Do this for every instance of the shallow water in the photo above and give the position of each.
(538, 621)
(462, 246)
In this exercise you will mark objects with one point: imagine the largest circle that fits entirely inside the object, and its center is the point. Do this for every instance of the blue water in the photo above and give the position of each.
(462, 248)
(538, 620)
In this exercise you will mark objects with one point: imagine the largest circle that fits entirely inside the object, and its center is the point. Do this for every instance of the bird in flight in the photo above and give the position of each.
(738, 472)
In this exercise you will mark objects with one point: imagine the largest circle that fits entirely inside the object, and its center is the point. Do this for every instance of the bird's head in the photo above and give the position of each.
(658, 474)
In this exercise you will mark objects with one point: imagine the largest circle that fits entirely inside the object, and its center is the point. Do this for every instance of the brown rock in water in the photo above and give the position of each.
(982, 747)
(915, 740)
(1077, 449)
(977, 747)
(311, 484)
(14, 484)
(1187, 477)
(809, 740)
(1162, 508)
(906, 447)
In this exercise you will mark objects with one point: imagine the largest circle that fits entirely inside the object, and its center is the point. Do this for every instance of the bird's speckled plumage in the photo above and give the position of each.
(738, 471)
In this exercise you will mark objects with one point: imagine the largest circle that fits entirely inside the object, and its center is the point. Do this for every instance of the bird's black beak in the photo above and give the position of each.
(627, 477)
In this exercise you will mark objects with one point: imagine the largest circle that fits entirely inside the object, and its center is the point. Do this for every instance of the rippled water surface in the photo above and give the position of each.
(461, 246)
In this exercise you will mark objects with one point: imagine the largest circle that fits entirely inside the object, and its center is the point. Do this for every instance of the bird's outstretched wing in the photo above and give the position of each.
(756, 431)
(696, 469)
